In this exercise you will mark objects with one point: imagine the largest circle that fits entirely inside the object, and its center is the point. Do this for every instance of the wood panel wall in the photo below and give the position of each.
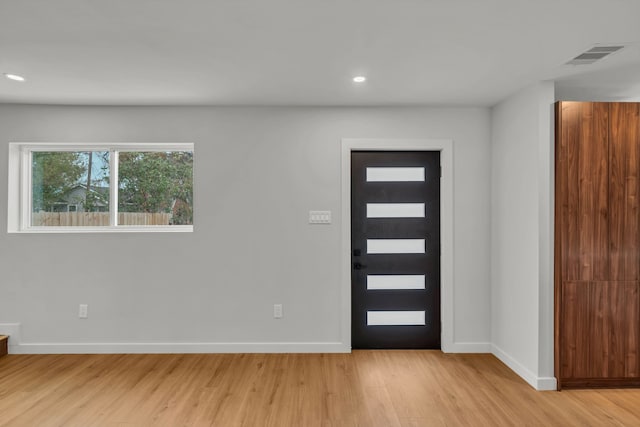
(597, 244)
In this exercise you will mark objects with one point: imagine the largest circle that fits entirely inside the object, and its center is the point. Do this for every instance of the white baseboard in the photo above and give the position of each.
(108, 348)
(547, 384)
(539, 383)
(13, 331)
(16, 346)
(467, 347)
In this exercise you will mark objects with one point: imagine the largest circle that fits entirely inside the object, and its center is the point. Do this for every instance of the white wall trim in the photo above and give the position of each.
(13, 331)
(14, 191)
(19, 184)
(105, 146)
(546, 217)
(445, 146)
(16, 346)
(546, 384)
(105, 229)
(539, 383)
(161, 347)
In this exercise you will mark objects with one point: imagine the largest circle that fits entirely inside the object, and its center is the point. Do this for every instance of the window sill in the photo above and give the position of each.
(118, 229)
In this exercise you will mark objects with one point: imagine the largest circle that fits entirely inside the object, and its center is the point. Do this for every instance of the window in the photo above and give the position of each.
(100, 187)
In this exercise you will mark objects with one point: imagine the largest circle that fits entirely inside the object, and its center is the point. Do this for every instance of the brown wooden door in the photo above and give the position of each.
(597, 243)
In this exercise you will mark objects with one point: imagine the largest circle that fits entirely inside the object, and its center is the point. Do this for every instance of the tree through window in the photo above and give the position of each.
(156, 182)
(128, 185)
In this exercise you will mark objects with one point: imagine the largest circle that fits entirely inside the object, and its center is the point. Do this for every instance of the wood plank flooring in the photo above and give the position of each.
(365, 388)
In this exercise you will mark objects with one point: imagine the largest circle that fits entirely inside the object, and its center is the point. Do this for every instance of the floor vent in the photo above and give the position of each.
(594, 54)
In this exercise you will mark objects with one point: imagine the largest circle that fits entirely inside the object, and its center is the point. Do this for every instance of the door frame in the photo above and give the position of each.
(445, 147)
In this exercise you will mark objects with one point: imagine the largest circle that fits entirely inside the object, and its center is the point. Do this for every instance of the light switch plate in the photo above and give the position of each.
(319, 217)
(83, 311)
(277, 311)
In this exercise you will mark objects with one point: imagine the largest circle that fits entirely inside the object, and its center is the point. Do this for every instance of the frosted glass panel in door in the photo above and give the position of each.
(384, 318)
(395, 281)
(396, 174)
(395, 210)
(395, 246)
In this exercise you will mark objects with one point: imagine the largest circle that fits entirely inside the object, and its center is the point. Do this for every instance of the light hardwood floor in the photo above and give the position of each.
(365, 388)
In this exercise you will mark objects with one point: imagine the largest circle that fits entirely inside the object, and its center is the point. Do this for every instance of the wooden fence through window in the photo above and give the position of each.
(96, 219)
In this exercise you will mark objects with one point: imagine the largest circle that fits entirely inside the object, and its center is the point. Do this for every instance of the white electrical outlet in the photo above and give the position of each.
(83, 311)
(277, 311)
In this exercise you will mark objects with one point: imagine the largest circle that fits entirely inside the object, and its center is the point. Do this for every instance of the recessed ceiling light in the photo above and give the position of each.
(15, 77)
(359, 79)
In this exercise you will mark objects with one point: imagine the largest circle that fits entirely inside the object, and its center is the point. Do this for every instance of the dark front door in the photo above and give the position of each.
(395, 249)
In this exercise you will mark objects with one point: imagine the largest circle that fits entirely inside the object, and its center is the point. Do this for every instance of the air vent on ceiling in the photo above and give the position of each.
(594, 54)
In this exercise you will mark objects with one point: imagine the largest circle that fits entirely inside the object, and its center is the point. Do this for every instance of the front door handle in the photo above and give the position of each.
(358, 266)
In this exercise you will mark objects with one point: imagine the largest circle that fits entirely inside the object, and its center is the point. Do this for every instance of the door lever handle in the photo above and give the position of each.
(358, 266)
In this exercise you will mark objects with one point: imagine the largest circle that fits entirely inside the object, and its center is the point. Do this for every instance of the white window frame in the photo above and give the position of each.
(19, 191)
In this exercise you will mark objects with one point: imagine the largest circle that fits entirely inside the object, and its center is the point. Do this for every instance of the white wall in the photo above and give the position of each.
(521, 233)
(258, 172)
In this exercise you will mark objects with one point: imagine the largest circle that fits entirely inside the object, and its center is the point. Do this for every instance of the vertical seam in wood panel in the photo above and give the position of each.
(558, 244)
(580, 200)
(608, 176)
(637, 283)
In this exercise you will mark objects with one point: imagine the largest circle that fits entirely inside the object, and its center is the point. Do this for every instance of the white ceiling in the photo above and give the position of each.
(304, 52)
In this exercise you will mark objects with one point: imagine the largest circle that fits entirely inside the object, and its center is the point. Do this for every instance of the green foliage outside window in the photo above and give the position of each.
(157, 182)
(54, 174)
(149, 182)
